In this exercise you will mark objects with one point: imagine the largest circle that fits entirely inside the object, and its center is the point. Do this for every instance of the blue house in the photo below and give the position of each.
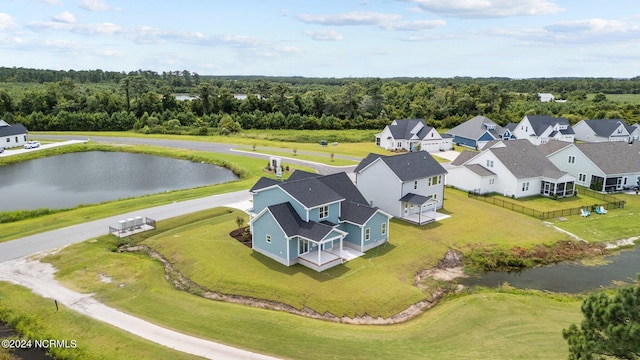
(314, 220)
(478, 131)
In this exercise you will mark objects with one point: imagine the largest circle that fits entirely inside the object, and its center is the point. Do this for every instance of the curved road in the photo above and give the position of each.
(15, 268)
(205, 146)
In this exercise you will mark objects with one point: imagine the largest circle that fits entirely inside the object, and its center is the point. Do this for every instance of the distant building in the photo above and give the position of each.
(546, 97)
(412, 135)
(539, 129)
(12, 135)
(602, 130)
(478, 131)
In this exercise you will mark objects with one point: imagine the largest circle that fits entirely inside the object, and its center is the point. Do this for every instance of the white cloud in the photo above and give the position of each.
(488, 8)
(352, 18)
(94, 5)
(324, 35)
(6, 22)
(65, 17)
(416, 25)
(594, 26)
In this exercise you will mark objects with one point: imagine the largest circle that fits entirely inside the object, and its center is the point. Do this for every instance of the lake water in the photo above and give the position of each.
(567, 277)
(68, 180)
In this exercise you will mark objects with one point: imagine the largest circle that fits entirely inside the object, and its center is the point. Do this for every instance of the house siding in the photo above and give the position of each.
(277, 249)
(13, 141)
(424, 189)
(458, 140)
(369, 186)
(334, 214)
(354, 236)
(268, 197)
(375, 231)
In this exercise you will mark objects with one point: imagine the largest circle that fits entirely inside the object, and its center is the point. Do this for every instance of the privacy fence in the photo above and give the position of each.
(608, 201)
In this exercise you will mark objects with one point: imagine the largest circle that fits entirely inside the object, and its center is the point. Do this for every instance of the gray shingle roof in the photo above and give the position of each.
(403, 128)
(475, 127)
(407, 166)
(552, 146)
(524, 160)
(464, 156)
(606, 127)
(264, 182)
(539, 123)
(356, 213)
(11, 130)
(414, 199)
(311, 192)
(613, 157)
(480, 170)
(292, 225)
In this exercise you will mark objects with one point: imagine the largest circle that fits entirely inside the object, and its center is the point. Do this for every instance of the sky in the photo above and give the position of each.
(327, 38)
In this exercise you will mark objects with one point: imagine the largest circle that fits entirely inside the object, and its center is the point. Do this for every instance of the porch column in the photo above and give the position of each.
(319, 254)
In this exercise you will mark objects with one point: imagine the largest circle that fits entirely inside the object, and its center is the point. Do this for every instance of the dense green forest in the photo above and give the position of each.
(94, 100)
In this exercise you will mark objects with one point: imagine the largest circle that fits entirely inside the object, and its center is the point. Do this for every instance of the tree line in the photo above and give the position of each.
(95, 100)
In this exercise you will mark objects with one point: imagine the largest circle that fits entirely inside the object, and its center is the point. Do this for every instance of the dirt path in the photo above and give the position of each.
(39, 277)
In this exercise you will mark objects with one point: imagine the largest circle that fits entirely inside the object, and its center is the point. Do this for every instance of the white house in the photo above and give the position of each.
(412, 135)
(601, 130)
(513, 168)
(603, 166)
(539, 129)
(409, 186)
(12, 135)
(546, 97)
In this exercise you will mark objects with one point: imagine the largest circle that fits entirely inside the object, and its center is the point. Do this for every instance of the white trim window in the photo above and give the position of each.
(525, 186)
(324, 212)
(383, 228)
(582, 177)
(268, 239)
(367, 234)
(572, 159)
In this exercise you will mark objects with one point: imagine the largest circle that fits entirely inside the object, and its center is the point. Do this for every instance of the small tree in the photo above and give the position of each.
(611, 326)
(332, 156)
(240, 221)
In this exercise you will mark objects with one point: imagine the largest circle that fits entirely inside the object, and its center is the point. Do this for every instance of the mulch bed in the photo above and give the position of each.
(238, 235)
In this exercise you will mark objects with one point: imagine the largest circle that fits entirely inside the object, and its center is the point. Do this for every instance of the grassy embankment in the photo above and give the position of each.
(482, 325)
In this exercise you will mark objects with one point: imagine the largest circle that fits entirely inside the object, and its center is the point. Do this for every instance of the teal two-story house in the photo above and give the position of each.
(314, 220)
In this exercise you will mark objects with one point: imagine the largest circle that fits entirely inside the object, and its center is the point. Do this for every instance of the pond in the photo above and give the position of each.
(567, 277)
(65, 181)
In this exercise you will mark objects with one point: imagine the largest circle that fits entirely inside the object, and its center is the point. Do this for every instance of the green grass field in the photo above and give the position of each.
(491, 324)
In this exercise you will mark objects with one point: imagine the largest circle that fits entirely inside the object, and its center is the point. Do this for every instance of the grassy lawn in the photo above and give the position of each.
(200, 247)
(250, 168)
(614, 225)
(37, 317)
(491, 324)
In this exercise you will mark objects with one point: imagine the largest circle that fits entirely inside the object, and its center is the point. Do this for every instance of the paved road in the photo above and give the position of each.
(77, 233)
(202, 146)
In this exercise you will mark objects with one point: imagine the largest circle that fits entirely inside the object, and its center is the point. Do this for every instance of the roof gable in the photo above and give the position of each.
(293, 225)
(613, 157)
(607, 127)
(524, 160)
(11, 130)
(407, 166)
(475, 127)
(409, 129)
(540, 123)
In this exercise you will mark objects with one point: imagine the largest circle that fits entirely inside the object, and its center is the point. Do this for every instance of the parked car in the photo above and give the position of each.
(1, 149)
(32, 144)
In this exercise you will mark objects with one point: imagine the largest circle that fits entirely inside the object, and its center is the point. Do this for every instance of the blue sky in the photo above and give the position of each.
(327, 38)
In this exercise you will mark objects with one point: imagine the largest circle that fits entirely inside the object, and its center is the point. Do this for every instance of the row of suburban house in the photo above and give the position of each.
(321, 221)
(415, 134)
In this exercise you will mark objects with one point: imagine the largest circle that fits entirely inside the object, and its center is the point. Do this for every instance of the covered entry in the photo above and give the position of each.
(418, 209)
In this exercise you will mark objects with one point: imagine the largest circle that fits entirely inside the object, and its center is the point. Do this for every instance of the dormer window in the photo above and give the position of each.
(562, 127)
(490, 126)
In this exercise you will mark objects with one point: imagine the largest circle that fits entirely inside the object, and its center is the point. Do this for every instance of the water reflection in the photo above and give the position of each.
(568, 277)
(68, 180)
